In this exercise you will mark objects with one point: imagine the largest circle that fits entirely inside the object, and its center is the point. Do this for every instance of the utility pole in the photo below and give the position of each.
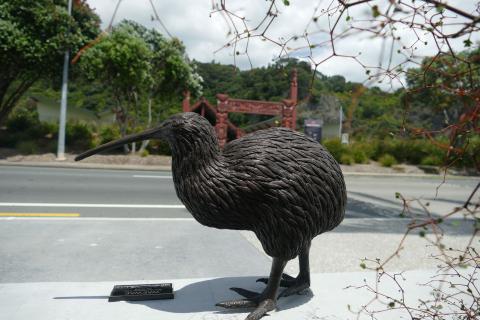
(63, 104)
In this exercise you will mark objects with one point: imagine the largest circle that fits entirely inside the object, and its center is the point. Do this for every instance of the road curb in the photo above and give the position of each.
(80, 165)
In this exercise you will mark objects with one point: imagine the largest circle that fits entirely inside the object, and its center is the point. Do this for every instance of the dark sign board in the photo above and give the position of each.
(313, 128)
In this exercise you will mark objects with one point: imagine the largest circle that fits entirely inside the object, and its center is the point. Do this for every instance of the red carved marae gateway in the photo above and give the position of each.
(218, 115)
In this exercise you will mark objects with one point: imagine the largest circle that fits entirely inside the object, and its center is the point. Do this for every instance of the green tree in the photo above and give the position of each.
(440, 90)
(141, 68)
(171, 71)
(121, 61)
(33, 38)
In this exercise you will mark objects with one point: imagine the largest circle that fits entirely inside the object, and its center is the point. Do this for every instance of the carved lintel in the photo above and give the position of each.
(252, 106)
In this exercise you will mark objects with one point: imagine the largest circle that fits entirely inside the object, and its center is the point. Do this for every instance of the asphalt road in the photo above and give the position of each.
(119, 193)
(103, 225)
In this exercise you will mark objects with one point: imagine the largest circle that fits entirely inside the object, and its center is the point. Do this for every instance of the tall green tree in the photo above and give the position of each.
(33, 38)
(121, 61)
(141, 69)
(171, 70)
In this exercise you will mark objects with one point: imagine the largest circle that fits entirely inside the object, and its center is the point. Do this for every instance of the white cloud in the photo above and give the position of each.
(204, 33)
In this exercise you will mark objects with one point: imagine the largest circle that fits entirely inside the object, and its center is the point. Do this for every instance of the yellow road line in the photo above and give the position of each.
(36, 214)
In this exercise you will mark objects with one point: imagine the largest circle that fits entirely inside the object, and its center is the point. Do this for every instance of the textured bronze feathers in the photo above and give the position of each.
(278, 183)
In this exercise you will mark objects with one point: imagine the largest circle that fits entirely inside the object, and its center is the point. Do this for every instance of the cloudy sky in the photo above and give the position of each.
(204, 32)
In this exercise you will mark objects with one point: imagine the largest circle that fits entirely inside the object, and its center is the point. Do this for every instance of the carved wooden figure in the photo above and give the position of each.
(278, 183)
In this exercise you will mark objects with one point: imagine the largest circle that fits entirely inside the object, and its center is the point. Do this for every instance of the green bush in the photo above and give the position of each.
(369, 147)
(27, 147)
(432, 160)
(347, 159)
(411, 151)
(48, 130)
(159, 147)
(23, 129)
(387, 160)
(7, 139)
(144, 153)
(471, 157)
(108, 133)
(79, 136)
(358, 155)
(22, 120)
(335, 147)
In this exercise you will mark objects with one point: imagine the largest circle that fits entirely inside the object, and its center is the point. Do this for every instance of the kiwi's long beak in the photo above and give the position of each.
(145, 135)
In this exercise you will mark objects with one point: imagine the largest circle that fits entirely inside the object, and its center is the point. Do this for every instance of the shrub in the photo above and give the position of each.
(159, 147)
(471, 157)
(432, 160)
(79, 136)
(26, 133)
(411, 151)
(387, 160)
(48, 130)
(346, 159)
(335, 147)
(27, 147)
(22, 120)
(358, 155)
(144, 153)
(368, 147)
(8, 140)
(109, 133)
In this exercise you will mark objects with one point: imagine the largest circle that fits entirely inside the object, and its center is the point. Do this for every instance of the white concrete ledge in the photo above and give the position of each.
(195, 299)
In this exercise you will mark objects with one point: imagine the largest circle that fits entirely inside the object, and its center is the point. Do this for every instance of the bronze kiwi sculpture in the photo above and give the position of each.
(278, 183)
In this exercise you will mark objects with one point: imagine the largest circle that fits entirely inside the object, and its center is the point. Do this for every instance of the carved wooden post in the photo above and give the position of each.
(222, 116)
(288, 114)
(202, 108)
(294, 87)
(186, 101)
(294, 98)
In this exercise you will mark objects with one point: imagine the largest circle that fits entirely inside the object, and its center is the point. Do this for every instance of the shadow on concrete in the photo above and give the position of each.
(451, 226)
(383, 216)
(358, 209)
(201, 296)
(363, 209)
(82, 298)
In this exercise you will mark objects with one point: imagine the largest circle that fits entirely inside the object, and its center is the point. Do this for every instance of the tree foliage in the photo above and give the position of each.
(33, 38)
(121, 61)
(376, 112)
(145, 72)
(441, 88)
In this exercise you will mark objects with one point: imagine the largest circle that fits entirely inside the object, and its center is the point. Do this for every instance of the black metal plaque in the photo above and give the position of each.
(139, 292)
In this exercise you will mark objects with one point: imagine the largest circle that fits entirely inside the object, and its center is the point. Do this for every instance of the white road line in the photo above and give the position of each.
(91, 205)
(348, 221)
(154, 177)
(96, 219)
